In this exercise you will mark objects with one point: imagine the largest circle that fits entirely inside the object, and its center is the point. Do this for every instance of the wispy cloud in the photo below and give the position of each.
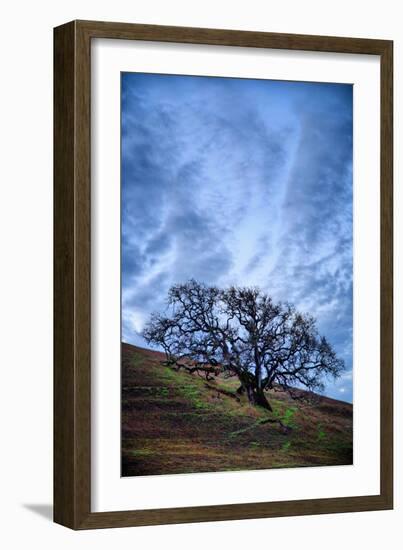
(238, 181)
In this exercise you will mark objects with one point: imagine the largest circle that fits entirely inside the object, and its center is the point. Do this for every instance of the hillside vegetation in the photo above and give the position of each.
(176, 422)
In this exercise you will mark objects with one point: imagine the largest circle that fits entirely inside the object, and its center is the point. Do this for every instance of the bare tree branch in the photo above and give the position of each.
(242, 332)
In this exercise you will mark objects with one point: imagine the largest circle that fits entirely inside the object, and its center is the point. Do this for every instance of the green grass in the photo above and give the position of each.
(174, 422)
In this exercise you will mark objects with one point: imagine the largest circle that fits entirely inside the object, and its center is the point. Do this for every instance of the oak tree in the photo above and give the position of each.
(242, 332)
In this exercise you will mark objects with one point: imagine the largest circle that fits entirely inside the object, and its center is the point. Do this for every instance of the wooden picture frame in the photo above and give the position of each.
(72, 269)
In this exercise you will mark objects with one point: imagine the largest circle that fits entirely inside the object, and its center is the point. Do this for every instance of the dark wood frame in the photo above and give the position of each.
(72, 320)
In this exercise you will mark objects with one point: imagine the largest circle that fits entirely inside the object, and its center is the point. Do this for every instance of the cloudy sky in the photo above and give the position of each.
(237, 181)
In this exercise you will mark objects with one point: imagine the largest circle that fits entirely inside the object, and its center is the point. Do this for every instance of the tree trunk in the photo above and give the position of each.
(261, 400)
(256, 397)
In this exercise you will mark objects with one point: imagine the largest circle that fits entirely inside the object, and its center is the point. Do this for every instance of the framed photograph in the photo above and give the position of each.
(222, 275)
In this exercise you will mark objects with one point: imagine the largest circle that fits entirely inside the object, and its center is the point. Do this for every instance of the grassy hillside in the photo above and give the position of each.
(175, 422)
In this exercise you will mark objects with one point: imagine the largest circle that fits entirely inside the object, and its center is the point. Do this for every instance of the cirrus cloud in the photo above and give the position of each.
(234, 181)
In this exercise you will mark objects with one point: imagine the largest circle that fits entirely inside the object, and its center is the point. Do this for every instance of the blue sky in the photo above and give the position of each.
(238, 181)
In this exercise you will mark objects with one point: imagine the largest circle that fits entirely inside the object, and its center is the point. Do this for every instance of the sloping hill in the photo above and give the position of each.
(176, 422)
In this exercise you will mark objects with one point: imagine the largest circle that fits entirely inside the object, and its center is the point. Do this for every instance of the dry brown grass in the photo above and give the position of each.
(173, 422)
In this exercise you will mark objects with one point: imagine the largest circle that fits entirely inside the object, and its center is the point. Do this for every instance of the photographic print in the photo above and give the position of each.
(236, 274)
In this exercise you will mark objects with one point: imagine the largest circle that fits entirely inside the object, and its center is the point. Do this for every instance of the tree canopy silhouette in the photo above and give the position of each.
(242, 332)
